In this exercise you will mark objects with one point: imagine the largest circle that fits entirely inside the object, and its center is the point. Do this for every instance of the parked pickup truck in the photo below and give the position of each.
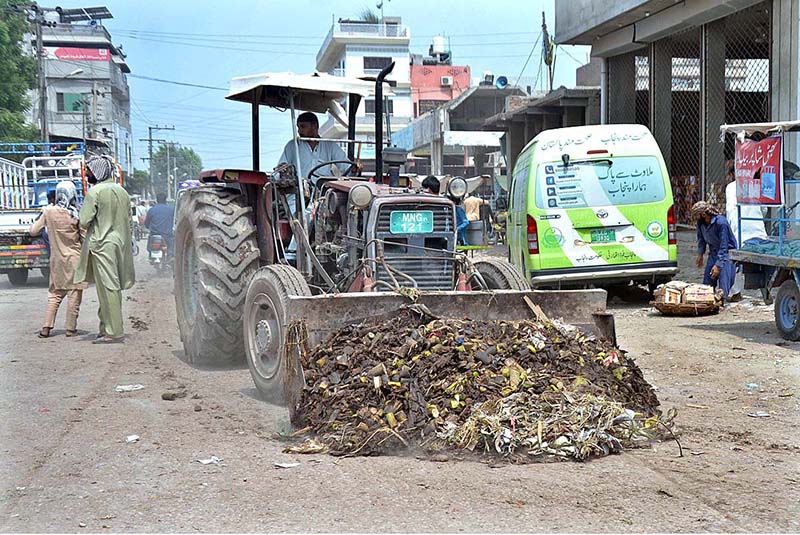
(23, 194)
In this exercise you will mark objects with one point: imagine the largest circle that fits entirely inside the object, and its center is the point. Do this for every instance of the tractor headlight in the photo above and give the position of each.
(457, 188)
(361, 196)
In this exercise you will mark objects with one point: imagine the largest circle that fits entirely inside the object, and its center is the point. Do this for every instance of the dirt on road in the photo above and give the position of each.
(67, 467)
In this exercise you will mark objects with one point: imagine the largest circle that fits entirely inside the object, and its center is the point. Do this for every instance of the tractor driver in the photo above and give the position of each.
(313, 153)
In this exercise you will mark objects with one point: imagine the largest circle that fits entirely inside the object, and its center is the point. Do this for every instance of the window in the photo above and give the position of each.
(370, 106)
(375, 64)
(610, 182)
(69, 102)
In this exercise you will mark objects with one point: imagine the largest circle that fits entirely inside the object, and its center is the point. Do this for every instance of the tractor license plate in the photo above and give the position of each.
(156, 255)
(604, 236)
(411, 222)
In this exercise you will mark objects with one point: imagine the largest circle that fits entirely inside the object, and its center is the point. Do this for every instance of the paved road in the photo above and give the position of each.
(66, 467)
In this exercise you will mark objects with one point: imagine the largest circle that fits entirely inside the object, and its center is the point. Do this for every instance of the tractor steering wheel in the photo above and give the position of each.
(314, 174)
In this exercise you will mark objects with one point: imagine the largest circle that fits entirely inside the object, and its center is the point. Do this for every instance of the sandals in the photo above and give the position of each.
(71, 333)
(109, 340)
(44, 333)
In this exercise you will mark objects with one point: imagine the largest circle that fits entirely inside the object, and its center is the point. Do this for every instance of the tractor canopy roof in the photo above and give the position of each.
(312, 92)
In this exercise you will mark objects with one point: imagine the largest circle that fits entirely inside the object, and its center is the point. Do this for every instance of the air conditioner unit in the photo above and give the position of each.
(446, 81)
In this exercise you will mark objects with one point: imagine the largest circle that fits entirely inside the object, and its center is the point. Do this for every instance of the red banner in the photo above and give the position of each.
(79, 54)
(759, 172)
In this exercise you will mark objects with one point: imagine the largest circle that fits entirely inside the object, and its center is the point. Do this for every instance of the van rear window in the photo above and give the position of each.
(594, 183)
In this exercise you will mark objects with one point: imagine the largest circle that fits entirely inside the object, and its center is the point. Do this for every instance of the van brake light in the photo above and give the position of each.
(597, 151)
(671, 226)
(533, 236)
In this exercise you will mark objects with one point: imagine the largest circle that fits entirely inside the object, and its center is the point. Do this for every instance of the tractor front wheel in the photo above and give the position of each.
(266, 318)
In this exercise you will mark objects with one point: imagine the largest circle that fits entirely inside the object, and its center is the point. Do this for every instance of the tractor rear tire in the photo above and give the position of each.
(18, 277)
(265, 325)
(787, 310)
(500, 275)
(216, 253)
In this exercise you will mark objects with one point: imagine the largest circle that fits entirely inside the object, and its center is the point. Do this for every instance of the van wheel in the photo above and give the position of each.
(18, 277)
(499, 275)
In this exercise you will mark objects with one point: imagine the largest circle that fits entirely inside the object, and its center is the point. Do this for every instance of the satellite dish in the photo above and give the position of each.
(501, 82)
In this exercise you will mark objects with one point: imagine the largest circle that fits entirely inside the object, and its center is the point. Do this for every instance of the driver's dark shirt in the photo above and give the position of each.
(159, 219)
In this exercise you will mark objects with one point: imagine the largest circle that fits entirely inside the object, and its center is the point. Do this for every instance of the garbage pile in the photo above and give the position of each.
(526, 390)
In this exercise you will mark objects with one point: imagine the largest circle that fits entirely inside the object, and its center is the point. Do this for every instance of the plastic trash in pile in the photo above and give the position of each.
(520, 390)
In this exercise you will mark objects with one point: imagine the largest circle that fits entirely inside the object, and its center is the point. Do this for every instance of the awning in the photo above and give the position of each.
(457, 138)
(312, 92)
(749, 128)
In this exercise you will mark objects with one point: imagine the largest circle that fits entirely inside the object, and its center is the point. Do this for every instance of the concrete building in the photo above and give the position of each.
(523, 117)
(452, 138)
(87, 90)
(684, 68)
(434, 78)
(355, 48)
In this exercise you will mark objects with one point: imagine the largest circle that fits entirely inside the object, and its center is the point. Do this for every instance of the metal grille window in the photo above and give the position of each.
(642, 65)
(622, 84)
(745, 39)
(369, 106)
(676, 114)
(376, 63)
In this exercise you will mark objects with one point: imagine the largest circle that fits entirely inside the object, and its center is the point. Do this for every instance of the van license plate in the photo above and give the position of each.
(604, 236)
(411, 222)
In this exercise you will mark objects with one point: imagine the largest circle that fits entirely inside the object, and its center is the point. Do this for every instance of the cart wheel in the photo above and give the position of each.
(787, 317)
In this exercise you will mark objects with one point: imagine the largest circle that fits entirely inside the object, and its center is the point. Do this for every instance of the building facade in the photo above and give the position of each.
(434, 79)
(88, 98)
(355, 49)
(685, 68)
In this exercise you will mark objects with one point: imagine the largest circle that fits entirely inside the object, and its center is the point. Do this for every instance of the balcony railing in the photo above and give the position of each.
(362, 29)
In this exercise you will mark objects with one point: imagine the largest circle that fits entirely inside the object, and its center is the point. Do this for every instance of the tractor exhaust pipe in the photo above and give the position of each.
(379, 122)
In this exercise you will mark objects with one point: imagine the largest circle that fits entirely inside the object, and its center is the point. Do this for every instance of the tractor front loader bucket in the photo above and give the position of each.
(324, 314)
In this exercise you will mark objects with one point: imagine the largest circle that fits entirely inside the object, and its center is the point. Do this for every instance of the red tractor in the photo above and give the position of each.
(373, 245)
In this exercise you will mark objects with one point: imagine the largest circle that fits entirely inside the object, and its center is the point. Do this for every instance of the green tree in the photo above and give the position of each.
(184, 164)
(18, 76)
(367, 15)
(137, 182)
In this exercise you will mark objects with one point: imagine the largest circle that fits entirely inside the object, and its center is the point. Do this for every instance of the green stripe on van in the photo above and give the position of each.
(551, 256)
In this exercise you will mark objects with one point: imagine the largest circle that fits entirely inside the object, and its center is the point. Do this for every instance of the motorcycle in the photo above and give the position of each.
(158, 253)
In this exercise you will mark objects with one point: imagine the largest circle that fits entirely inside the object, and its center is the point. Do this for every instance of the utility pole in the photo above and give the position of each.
(149, 139)
(35, 16)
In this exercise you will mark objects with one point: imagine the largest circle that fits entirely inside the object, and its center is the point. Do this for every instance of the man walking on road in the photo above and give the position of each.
(107, 257)
(61, 223)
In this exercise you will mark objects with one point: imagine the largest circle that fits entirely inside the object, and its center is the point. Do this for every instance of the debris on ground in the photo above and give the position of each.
(128, 388)
(171, 395)
(679, 298)
(211, 460)
(139, 324)
(286, 465)
(130, 439)
(309, 446)
(527, 390)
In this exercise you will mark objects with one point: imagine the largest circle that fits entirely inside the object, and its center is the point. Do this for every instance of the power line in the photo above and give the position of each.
(173, 82)
(295, 36)
(529, 58)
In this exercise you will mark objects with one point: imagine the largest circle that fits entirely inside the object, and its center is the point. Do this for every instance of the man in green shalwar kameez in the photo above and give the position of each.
(107, 256)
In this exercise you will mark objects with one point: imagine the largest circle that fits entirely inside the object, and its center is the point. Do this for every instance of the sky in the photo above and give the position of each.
(206, 43)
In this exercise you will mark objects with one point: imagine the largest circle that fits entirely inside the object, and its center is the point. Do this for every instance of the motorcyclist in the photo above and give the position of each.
(160, 219)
